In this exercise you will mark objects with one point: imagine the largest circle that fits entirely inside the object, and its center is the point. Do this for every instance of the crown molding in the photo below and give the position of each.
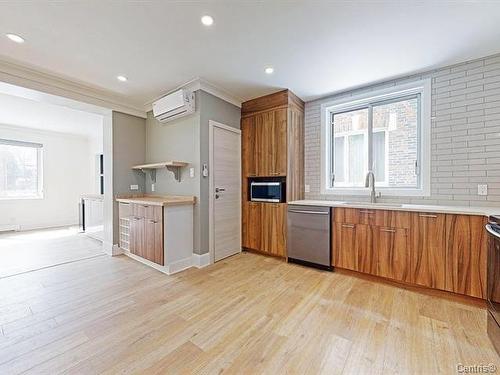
(30, 78)
(201, 84)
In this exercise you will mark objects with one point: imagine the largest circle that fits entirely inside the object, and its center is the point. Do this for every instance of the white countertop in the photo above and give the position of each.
(467, 210)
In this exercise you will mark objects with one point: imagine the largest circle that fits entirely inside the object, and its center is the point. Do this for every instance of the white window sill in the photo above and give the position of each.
(34, 197)
(385, 192)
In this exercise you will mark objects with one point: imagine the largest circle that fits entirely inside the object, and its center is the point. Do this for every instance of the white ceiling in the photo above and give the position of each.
(21, 112)
(315, 47)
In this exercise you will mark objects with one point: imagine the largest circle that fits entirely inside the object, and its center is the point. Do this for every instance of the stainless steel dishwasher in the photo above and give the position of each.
(309, 238)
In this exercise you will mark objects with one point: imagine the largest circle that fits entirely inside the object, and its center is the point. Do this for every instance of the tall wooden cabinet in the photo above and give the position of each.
(272, 129)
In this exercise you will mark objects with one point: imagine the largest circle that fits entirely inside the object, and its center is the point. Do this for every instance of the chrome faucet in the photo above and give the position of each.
(370, 182)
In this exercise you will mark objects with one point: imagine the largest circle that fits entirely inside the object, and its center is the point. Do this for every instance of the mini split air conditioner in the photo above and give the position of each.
(172, 106)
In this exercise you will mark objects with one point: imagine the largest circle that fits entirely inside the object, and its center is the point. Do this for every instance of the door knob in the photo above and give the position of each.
(219, 190)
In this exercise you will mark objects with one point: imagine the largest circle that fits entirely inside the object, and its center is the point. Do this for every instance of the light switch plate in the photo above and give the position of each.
(307, 188)
(482, 189)
(191, 172)
(134, 187)
(152, 187)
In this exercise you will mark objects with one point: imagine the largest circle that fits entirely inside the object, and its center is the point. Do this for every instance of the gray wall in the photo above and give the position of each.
(176, 140)
(129, 149)
(465, 146)
(211, 108)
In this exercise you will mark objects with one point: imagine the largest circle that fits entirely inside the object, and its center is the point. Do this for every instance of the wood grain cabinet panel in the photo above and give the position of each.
(249, 147)
(137, 236)
(393, 253)
(366, 252)
(344, 253)
(264, 127)
(146, 232)
(428, 237)
(392, 219)
(466, 255)
(273, 221)
(252, 225)
(278, 144)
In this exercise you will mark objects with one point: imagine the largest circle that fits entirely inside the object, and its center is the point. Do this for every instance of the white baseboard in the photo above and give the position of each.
(180, 265)
(116, 250)
(7, 228)
(200, 261)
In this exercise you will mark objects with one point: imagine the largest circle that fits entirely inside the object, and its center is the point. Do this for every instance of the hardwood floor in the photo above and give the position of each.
(247, 314)
(31, 250)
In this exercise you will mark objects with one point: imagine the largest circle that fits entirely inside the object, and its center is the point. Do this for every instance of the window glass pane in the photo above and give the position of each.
(18, 171)
(399, 120)
(356, 163)
(350, 160)
(338, 159)
(379, 156)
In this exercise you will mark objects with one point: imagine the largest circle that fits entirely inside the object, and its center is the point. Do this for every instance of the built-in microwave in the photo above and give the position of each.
(267, 191)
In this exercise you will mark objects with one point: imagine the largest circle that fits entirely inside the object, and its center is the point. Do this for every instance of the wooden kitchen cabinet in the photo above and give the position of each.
(251, 228)
(273, 221)
(249, 147)
(146, 232)
(344, 246)
(391, 246)
(466, 255)
(428, 237)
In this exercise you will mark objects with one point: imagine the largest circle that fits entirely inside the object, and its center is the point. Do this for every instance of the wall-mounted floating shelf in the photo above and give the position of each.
(172, 165)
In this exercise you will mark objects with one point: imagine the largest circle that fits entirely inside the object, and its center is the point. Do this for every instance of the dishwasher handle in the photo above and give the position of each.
(310, 212)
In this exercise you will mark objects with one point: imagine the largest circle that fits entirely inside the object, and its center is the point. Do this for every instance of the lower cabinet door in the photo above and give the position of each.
(428, 237)
(273, 229)
(392, 248)
(252, 225)
(367, 256)
(154, 241)
(466, 255)
(137, 236)
(344, 246)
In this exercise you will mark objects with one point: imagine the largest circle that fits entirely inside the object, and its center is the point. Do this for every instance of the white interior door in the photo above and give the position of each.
(225, 189)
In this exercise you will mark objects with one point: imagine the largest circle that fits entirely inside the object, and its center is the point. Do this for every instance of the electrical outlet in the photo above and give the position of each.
(482, 189)
(134, 187)
(191, 172)
(307, 188)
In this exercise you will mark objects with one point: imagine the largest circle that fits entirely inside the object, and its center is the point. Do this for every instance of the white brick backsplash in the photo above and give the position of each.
(465, 135)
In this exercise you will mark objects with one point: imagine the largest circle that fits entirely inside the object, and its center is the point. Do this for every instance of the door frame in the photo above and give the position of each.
(211, 125)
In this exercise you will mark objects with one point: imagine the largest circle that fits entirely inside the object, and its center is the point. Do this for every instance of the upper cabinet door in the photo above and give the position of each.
(429, 249)
(264, 125)
(278, 144)
(249, 146)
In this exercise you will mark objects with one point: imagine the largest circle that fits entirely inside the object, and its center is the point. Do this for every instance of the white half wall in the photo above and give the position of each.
(66, 175)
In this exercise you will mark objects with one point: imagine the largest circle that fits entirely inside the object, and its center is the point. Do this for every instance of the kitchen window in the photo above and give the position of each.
(20, 169)
(386, 132)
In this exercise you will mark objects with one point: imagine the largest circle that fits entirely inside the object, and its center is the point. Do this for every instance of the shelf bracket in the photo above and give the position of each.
(176, 171)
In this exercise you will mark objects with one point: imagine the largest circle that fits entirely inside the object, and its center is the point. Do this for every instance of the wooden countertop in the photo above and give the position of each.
(465, 210)
(168, 200)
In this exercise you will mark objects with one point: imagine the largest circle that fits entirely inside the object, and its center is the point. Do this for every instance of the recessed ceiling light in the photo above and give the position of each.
(15, 38)
(122, 78)
(207, 20)
(269, 70)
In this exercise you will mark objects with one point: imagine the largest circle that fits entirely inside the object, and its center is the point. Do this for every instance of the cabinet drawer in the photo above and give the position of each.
(392, 219)
(124, 210)
(354, 215)
(147, 211)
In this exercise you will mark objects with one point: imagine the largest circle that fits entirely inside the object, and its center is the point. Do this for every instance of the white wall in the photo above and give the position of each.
(67, 174)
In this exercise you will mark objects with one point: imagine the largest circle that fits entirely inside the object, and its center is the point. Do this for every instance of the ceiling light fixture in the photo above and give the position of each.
(15, 38)
(269, 70)
(122, 78)
(207, 20)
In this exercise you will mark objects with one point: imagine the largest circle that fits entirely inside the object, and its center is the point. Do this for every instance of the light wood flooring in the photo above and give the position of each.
(248, 314)
(31, 250)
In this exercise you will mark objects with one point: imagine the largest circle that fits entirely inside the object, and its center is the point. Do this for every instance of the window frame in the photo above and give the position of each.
(39, 160)
(371, 99)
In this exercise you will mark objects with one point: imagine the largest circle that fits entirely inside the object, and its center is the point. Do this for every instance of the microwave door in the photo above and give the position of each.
(266, 192)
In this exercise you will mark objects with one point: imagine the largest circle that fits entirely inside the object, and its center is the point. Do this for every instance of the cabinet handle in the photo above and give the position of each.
(145, 206)
(427, 215)
(366, 212)
(275, 173)
(252, 174)
(348, 226)
(153, 221)
(388, 230)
